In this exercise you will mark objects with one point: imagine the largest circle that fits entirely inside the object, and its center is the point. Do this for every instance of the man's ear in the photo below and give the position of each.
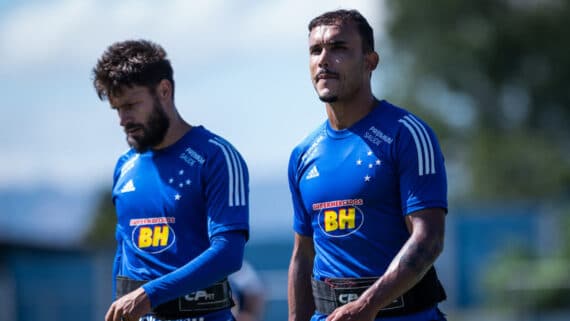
(164, 89)
(372, 60)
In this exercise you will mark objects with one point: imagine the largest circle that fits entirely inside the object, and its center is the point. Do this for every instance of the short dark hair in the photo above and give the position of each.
(131, 63)
(341, 17)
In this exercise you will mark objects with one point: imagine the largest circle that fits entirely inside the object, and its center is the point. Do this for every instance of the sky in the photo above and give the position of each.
(240, 68)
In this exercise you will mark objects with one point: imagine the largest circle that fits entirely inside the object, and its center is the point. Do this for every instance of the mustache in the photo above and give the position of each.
(323, 72)
(131, 126)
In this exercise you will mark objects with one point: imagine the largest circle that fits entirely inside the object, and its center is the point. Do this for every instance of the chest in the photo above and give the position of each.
(347, 169)
(153, 187)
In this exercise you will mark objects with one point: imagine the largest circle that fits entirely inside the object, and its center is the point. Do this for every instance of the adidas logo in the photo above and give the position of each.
(128, 187)
(313, 173)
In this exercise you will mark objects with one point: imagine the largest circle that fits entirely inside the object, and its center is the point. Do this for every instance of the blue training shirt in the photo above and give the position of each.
(352, 188)
(171, 202)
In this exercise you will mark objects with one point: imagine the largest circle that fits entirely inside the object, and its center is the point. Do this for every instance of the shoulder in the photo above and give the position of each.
(127, 155)
(209, 147)
(208, 143)
(416, 144)
(125, 163)
(309, 144)
(126, 160)
(405, 125)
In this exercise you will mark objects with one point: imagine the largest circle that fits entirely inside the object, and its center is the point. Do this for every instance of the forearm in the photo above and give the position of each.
(222, 258)
(408, 267)
(299, 292)
(252, 308)
(116, 268)
(300, 297)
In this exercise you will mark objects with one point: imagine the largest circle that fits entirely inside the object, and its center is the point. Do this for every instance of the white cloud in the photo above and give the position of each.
(241, 70)
(43, 33)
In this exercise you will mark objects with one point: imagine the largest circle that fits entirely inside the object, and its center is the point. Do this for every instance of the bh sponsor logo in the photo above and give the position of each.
(340, 218)
(153, 235)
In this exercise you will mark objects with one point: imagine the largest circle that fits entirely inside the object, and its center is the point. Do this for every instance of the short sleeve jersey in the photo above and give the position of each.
(352, 188)
(170, 202)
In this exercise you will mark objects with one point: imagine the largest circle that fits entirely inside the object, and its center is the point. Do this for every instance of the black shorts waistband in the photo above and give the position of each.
(211, 299)
(332, 293)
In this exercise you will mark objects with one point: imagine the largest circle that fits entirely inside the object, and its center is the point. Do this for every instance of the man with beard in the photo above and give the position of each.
(180, 194)
(369, 193)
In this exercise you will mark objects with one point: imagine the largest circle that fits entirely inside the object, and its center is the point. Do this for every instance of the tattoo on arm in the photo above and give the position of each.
(419, 257)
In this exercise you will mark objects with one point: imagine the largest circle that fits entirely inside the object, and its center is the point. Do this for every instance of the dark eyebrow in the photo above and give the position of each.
(331, 43)
(335, 43)
(127, 102)
(311, 48)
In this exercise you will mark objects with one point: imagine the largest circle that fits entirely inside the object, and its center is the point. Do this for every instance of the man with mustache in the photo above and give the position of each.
(369, 193)
(180, 193)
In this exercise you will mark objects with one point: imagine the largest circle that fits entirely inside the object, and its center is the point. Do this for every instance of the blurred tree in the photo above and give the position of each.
(102, 232)
(523, 280)
(495, 73)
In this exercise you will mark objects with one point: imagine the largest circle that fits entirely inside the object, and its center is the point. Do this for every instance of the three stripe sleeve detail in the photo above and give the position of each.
(424, 146)
(236, 181)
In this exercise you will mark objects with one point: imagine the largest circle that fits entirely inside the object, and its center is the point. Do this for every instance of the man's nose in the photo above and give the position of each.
(324, 59)
(124, 117)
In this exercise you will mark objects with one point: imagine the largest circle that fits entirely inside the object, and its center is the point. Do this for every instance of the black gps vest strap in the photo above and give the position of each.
(335, 292)
(214, 298)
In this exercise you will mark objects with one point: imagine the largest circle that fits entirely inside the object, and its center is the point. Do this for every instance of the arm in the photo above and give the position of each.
(116, 268)
(223, 257)
(408, 267)
(252, 307)
(249, 294)
(300, 295)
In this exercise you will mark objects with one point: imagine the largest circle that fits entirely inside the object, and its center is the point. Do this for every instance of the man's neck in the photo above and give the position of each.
(178, 128)
(343, 115)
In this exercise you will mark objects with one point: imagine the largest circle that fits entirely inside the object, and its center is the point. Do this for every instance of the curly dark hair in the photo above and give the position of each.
(341, 17)
(131, 63)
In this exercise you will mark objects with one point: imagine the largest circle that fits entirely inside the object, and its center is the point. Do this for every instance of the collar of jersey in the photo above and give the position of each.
(337, 134)
(347, 132)
(177, 144)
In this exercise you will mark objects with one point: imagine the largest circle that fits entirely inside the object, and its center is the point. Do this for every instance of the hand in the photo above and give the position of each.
(353, 311)
(129, 307)
(245, 316)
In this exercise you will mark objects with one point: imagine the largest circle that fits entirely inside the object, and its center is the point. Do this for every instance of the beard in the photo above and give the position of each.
(347, 87)
(153, 130)
(328, 99)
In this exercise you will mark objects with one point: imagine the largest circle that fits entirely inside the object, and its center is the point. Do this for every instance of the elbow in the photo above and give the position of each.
(425, 250)
(432, 242)
(437, 247)
(231, 251)
(232, 259)
(235, 265)
(433, 247)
